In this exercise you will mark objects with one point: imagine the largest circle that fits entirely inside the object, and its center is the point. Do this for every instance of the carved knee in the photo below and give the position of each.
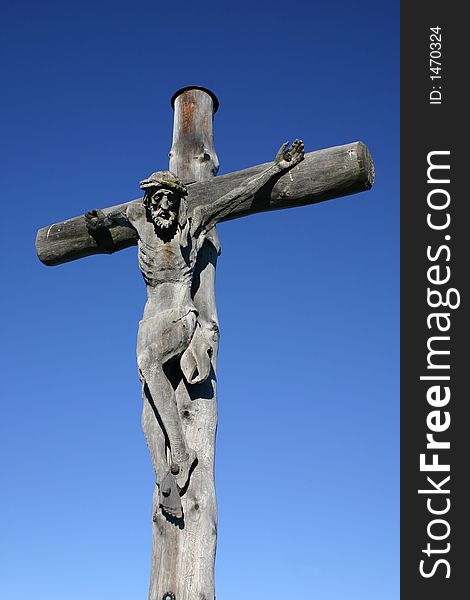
(149, 361)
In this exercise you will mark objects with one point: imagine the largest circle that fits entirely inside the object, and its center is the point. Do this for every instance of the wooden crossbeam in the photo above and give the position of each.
(322, 175)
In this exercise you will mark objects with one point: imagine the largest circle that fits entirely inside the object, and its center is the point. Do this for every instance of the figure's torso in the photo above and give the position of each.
(166, 266)
(165, 262)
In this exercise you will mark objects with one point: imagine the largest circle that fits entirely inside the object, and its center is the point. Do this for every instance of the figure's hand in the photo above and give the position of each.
(95, 220)
(287, 157)
(98, 226)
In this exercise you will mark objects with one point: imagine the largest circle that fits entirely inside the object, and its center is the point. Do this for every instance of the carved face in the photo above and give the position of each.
(163, 206)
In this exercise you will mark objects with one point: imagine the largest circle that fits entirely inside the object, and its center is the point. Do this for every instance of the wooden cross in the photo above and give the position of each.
(178, 257)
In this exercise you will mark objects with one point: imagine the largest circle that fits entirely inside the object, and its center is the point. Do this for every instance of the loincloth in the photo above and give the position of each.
(172, 329)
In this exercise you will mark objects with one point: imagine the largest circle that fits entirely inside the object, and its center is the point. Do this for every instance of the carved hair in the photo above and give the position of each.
(163, 179)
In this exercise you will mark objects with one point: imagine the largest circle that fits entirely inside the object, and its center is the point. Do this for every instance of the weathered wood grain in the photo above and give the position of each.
(322, 175)
(183, 554)
(192, 155)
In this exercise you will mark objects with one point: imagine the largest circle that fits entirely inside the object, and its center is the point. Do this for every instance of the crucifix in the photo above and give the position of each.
(174, 228)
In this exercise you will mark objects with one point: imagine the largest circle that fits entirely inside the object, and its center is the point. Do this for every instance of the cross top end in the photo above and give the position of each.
(188, 88)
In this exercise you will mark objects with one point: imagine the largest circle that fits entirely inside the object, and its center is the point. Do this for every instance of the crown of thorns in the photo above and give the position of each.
(163, 179)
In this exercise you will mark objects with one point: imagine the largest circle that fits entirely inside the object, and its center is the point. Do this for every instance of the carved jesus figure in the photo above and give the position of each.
(170, 335)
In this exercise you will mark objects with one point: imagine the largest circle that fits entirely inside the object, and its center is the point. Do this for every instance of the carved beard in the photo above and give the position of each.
(163, 220)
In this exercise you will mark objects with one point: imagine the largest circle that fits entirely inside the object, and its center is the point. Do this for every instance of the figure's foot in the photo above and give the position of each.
(182, 470)
(169, 498)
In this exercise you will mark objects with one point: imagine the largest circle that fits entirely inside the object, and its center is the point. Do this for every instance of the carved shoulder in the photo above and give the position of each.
(135, 213)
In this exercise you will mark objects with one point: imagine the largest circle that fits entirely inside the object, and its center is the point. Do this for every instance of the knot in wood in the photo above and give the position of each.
(168, 596)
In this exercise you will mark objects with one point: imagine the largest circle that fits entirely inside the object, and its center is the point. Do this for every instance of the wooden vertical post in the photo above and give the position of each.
(192, 154)
(183, 554)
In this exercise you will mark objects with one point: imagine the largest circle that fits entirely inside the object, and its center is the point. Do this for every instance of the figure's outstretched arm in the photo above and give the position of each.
(209, 215)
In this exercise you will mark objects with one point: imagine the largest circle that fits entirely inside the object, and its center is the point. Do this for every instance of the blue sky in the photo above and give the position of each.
(307, 298)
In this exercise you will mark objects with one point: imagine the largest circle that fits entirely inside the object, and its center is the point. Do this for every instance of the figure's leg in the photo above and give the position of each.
(155, 437)
(172, 341)
(164, 399)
